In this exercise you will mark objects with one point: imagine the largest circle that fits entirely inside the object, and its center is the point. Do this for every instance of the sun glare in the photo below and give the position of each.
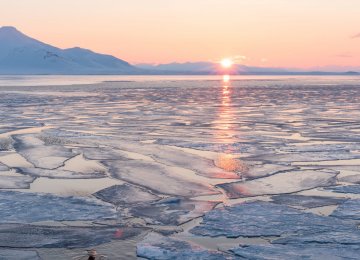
(226, 78)
(226, 63)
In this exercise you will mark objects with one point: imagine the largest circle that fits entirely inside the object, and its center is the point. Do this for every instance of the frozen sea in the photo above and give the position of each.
(180, 167)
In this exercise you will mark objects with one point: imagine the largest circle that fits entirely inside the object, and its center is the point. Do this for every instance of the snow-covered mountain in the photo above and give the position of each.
(20, 54)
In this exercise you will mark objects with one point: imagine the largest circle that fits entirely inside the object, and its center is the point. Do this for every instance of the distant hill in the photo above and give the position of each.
(20, 54)
(209, 68)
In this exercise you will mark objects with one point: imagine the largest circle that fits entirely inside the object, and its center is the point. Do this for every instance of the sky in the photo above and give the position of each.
(269, 33)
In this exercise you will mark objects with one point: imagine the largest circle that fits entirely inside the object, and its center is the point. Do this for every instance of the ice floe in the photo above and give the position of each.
(60, 174)
(175, 157)
(348, 210)
(339, 235)
(17, 254)
(155, 246)
(258, 170)
(256, 219)
(41, 155)
(6, 144)
(25, 207)
(3, 167)
(32, 236)
(15, 182)
(297, 252)
(306, 201)
(343, 147)
(284, 182)
(172, 211)
(157, 177)
(310, 156)
(126, 195)
(354, 189)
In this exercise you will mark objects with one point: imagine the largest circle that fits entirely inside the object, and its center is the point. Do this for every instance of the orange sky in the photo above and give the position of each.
(276, 33)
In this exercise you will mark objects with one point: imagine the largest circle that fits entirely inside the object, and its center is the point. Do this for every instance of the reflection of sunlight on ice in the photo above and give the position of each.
(225, 92)
(229, 163)
(224, 131)
(226, 78)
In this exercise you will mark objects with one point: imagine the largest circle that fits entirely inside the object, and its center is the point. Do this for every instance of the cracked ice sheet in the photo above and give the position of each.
(19, 207)
(155, 246)
(32, 236)
(310, 156)
(343, 147)
(15, 182)
(348, 174)
(68, 137)
(148, 206)
(257, 170)
(40, 155)
(256, 219)
(237, 147)
(348, 210)
(3, 167)
(17, 254)
(337, 236)
(354, 189)
(175, 157)
(172, 211)
(306, 201)
(14, 160)
(157, 177)
(71, 187)
(82, 165)
(297, 251)
(60, 174)
(285, 182)
(126, 195)
(102, 154)
(355, 178)
(6, 144)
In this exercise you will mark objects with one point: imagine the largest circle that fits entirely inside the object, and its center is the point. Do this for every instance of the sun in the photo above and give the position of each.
(226, 63)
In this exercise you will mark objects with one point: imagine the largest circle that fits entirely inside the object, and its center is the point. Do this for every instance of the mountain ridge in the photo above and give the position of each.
(210, 68)
(21, 54)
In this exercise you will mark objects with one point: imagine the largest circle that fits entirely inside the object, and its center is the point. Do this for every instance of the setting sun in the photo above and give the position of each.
(226, 63)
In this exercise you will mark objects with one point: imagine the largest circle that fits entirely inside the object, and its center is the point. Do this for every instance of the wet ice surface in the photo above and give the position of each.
(172, 211)
(284, 252)
(60, 174)
(307, 201)
(15, 182)
(3, 167)
(96, 164)
(25, 236)
(155, 246)
(156, 177)
(21, 207)
(126, 195)
(261, 219)
(346, 189)
(348, 210)
(285, 182)
(40, 155)
(14, 254)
